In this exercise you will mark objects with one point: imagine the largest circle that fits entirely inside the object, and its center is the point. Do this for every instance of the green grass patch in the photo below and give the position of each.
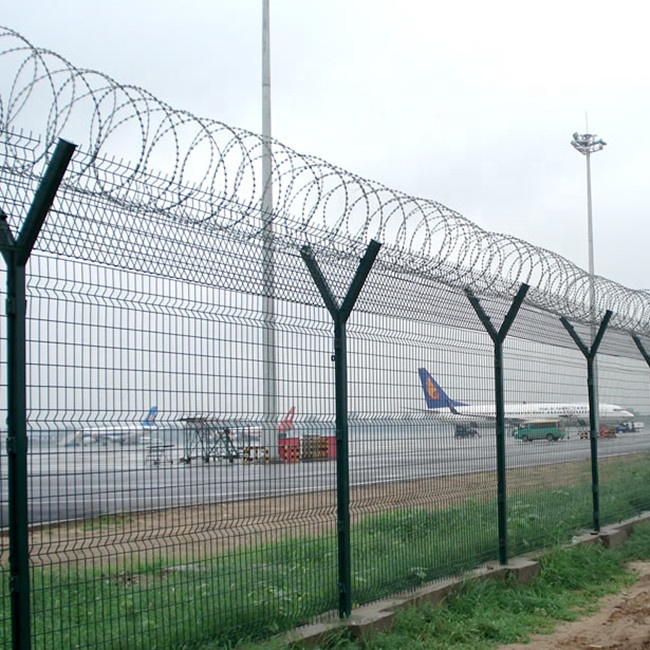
(486, 614)
(107, 521)
(258, 591)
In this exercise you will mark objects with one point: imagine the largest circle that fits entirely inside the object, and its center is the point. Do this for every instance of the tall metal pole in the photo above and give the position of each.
(590, 239)
(586, 144)
(269, 389)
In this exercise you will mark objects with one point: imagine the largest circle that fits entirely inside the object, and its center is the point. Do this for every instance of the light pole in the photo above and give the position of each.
(586, 144)
(269, 378)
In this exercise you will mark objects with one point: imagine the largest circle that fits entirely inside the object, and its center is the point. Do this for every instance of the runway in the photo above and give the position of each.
(71, 483)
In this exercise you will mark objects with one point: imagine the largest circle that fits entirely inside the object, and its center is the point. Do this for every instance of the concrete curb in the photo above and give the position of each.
(380, 615)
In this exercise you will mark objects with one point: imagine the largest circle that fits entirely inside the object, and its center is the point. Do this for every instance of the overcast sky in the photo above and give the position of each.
(470, 103)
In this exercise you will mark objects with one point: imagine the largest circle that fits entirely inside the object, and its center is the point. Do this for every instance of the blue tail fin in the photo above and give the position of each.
(150, 420)
(434, 396)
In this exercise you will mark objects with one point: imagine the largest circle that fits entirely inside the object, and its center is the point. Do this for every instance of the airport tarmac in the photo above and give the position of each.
(67, 483)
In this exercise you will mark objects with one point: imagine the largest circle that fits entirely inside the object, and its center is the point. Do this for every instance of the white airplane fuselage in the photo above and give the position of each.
(607, 413)
(442, 406)
(119, 435)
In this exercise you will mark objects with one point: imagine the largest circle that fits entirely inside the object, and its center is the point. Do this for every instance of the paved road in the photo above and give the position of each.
(80, 482)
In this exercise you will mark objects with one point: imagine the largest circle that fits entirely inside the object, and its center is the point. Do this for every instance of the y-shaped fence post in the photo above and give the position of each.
(340, 316)
(16, 252)
(498, 338)
(590, 355)
(641, 348)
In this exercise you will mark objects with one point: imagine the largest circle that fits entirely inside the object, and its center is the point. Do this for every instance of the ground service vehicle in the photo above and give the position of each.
(466, 430)
(539, 430)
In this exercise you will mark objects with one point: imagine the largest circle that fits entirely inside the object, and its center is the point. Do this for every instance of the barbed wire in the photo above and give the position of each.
(171, 162)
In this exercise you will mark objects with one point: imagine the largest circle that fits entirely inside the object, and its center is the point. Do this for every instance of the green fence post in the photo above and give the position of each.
(16, 253)
(340, 316)
(590, 355)
(498, 338)
(641, 348)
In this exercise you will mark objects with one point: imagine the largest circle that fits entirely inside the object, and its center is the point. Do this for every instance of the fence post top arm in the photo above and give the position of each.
(601, 332)
(321, 283)
(341, 314)
(480, 312)
(574, 335)
(498, 337)
(589, 353)
(513, 311)
(641, 348)
(7, 241)
(359, 278)
(43, 199)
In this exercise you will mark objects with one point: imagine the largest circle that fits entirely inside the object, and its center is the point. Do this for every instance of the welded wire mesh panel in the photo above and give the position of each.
(424, 493)
(186, 509)
(5, 594)
(550, 483)
(180, 378)
(161, 525)
(549, 480)
(623, 455)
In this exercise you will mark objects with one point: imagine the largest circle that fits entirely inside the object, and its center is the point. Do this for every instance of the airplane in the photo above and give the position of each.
(439, 403)
(121, 434)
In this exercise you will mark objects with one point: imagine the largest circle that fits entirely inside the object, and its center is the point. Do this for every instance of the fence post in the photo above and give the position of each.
(590, 355)
(16, 252)
(498, 339)
(340, 316)
(641, 348)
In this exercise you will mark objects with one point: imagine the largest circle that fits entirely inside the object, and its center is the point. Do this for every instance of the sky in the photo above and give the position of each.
(471, 104)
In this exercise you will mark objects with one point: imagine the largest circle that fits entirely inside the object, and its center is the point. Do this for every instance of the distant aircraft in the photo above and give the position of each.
(122, 434)
(440, 403)
(287, 421)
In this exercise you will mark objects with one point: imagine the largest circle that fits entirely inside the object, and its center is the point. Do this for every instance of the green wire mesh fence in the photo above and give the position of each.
(167, 504)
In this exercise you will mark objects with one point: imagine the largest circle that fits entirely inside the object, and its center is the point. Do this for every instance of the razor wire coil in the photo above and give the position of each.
(204, 175)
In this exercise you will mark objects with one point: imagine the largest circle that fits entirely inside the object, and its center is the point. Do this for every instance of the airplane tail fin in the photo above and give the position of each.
(287, 422)
(150, 419)
(434, 395)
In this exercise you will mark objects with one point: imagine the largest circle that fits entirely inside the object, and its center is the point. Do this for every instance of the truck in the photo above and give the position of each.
(467, 430)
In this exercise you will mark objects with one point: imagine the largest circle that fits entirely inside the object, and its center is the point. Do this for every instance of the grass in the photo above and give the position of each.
(172, 603)
(107, 521)
(487, 614)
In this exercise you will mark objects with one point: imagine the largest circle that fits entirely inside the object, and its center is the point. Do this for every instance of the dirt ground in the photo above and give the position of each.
(622, 623)
(193, 532)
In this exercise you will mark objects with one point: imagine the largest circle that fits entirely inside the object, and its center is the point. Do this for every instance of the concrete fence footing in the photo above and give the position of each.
(379, 616)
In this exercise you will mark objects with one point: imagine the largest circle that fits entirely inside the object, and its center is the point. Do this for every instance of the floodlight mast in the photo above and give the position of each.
(586, 144)
(269, 379)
